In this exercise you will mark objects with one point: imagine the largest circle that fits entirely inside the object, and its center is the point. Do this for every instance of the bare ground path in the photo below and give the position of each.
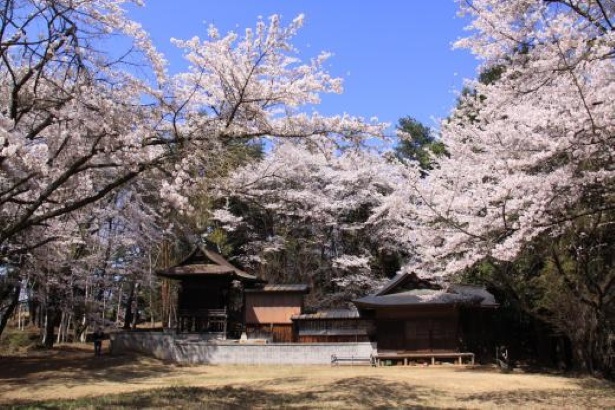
(71, 377)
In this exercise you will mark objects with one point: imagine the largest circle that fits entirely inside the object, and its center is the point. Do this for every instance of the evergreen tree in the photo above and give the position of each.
(418, 143)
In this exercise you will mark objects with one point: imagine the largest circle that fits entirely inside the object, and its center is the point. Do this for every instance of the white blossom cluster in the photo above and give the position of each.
(530, 146)
(333, 196)
(78, 122)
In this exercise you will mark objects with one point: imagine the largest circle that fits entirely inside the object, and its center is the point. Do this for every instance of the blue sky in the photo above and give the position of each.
(395, 55)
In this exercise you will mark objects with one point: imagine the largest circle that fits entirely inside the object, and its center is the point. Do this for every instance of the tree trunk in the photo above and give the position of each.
(128, 315)
(61, 328)
(8, 311)
(79, 325)
(47, 337)
(135, 309)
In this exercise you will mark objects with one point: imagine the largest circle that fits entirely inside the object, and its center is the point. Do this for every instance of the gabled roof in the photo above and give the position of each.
(404, 280)
(205, 262)
(407, 289)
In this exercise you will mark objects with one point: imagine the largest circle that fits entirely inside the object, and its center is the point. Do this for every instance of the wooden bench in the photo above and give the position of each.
(407, 356)
(335, 360)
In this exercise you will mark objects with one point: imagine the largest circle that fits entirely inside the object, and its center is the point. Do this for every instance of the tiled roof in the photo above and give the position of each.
(205, 262)
(197, 269)
(328, 314)
(397, 293)
(282, 288)
(469, 295)
(333, 332)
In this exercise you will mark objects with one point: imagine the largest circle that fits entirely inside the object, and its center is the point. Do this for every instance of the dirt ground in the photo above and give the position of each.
(52, 378)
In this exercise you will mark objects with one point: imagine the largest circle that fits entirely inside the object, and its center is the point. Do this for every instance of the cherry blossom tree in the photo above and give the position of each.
(98, 263)
(310, 213)
(530, 174)
(532, 151)
(72, 122)
(79, 122)
(248, 87)
(58, 86)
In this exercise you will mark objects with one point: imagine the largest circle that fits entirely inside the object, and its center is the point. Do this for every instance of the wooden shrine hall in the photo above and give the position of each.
(209, 292)
(419, 318)
(220, 300)
(409, 318)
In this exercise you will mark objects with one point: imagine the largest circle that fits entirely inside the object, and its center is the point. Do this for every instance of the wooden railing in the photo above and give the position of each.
(202, 321)
(407, 357)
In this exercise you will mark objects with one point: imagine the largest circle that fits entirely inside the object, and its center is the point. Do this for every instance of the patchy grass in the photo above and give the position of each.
(71, 377)
(17, 342)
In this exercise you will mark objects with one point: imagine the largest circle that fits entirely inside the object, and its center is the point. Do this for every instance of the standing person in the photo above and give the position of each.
(503, 359)
(98, 337)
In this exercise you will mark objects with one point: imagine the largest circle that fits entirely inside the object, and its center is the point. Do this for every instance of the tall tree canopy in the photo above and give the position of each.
(533, 150)
(529, 184)
(309, 213)
(77, 124)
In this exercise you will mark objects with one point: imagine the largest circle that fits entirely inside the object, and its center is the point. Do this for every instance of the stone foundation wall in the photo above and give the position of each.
(197, 350)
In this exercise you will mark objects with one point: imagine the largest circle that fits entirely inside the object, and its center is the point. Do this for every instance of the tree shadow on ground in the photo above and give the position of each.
(478, 368)
(375, 393)
(348, 393)
(591, 394)
(81, 366)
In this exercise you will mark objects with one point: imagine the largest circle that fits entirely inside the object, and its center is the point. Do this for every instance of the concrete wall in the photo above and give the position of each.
(197, 349)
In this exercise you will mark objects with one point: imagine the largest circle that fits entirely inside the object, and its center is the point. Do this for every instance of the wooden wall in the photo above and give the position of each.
(203, 293)
(275, 333)
(272, 307)
(420, 330)
(323, 330)
(332, 338)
